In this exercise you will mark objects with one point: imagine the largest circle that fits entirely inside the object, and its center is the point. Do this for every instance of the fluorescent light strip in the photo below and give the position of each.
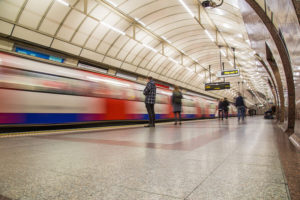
(187, 8)
(152, 49)
(112, 3)
(163, 37)
(209, 35)
(189, 69)
(63, 2)
(139, 21)
(223, 53)
(174, 61)
(113, 28)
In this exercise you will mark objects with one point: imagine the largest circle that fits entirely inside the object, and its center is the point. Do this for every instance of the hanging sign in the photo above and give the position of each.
(217, 86)
(228, 73)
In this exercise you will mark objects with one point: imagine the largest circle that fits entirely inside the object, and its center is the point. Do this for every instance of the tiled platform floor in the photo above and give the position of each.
(209, 159)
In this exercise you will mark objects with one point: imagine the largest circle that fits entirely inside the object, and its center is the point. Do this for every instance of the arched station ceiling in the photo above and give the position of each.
(172, 40)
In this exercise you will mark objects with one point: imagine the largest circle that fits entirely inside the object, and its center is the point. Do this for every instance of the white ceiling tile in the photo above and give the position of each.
(103, 47)
(31, 36)
(30, 19)
(88, 25)
(92, 43)
(9, 9)
(5, 27)
(66, 47)
(128, 67)
(65, 33)
(74, 19)
(79, 38)
(49, 26)
(91, 55)
(91, 4)
(142, 71)
(100, 12)
(112, 62)
(57, 12)
(37, 6)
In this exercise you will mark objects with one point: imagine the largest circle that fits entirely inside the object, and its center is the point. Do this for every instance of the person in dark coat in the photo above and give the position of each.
(177, 103)
(225, 107)
(239, 103)
(150, 93)
(220, 109)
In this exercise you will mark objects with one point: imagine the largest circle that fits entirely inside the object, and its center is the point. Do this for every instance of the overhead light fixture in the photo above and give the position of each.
(139, 21)
(174, 61)
(187, 8)
(195, 60)
(151, 48)
(63, 2)
(226, 25)
(209, 35)
(163, 37)
(112, 3)
(113, 28)
(248, 41)
(223, 53)
(189, 69)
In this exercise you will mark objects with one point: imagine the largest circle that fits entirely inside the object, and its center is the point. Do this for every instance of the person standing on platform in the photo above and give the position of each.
(150, 93)
(239, 103)
(220, 109)
(225, 107)
(176, 102)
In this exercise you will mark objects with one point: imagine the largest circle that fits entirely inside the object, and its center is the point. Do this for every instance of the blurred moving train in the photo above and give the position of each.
(33, 92)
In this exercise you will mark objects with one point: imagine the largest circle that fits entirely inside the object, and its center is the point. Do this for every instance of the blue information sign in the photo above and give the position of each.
(39, 55)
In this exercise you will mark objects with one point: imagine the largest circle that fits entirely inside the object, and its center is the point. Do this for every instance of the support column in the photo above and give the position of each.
(276, 73)
(275, 94)
(285, 61)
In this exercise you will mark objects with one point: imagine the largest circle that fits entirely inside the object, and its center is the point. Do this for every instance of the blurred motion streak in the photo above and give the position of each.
(34, 92)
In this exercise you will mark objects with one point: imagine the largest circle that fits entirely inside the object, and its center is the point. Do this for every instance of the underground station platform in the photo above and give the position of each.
(204, 159)
(79, 80)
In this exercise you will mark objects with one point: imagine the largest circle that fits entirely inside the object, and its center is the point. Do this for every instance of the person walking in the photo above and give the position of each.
(225, 107)
(177, 102)
(150, 93)
(239, 103)
(220, 109)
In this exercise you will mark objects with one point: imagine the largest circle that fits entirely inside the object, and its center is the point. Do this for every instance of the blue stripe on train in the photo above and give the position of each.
(157, 116)
(55, 118)
(51, 118)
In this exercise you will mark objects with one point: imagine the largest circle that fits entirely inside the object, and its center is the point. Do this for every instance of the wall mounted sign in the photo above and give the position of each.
(39, 55)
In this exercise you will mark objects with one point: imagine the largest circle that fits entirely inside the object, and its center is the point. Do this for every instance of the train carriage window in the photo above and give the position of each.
(163, 99)
(188, 102)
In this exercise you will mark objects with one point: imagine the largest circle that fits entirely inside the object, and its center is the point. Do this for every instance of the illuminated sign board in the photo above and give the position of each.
(39, 55)
(228, 73)
(217, 86)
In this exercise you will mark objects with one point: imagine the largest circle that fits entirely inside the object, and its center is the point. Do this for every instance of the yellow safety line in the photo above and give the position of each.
(79, 130)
